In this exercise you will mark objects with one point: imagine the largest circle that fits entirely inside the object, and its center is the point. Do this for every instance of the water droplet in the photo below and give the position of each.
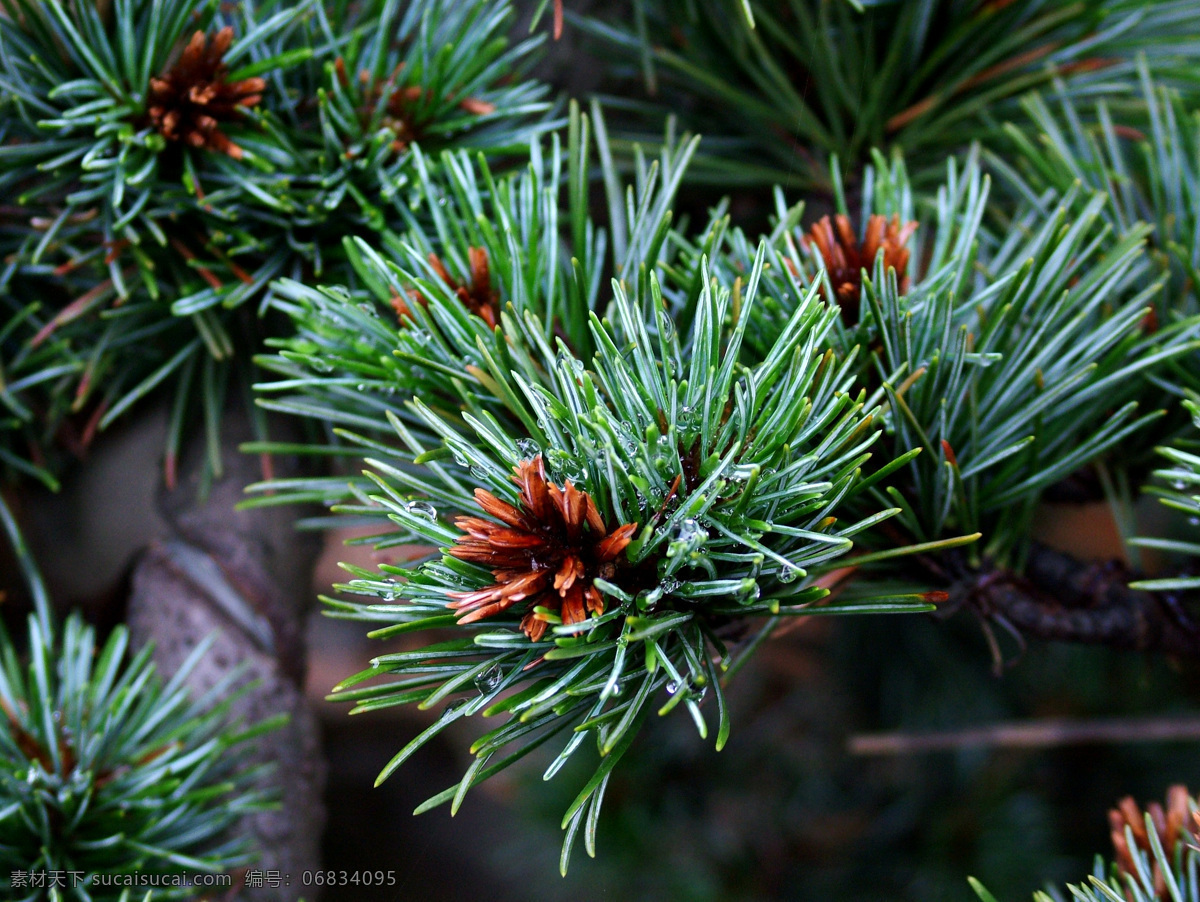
(528, 448)
(689, 537)
(389, 594)
(788, 573)
(672, 687)
(422, 509)
(666, 325)
(648, 598)
(362, 386)
(459, 458)
(687, 418)
(489, 679)
(369, 309)
(321, 366)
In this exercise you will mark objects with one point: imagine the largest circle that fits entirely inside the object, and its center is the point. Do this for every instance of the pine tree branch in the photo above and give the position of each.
(1035, 734)
(1061, 598)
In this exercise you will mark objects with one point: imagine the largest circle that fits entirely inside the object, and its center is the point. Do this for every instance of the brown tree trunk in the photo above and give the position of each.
(242, 578)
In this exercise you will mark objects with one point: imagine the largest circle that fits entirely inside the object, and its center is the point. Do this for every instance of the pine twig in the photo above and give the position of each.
(1045, 733)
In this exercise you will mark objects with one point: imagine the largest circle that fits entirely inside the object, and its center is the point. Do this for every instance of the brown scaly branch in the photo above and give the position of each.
(1059, 597)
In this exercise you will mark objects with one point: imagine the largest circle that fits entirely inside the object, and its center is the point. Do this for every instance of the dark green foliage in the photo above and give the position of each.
(1029, 371)
(354, 357)
(33, 375)
(104, 769)
(1140, 147)
(1176, 487)
(777, 87)
(1012, 359)
(146, 245)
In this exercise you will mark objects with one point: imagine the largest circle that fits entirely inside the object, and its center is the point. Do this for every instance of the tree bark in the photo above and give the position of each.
(1061, 598)
(242, 578)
